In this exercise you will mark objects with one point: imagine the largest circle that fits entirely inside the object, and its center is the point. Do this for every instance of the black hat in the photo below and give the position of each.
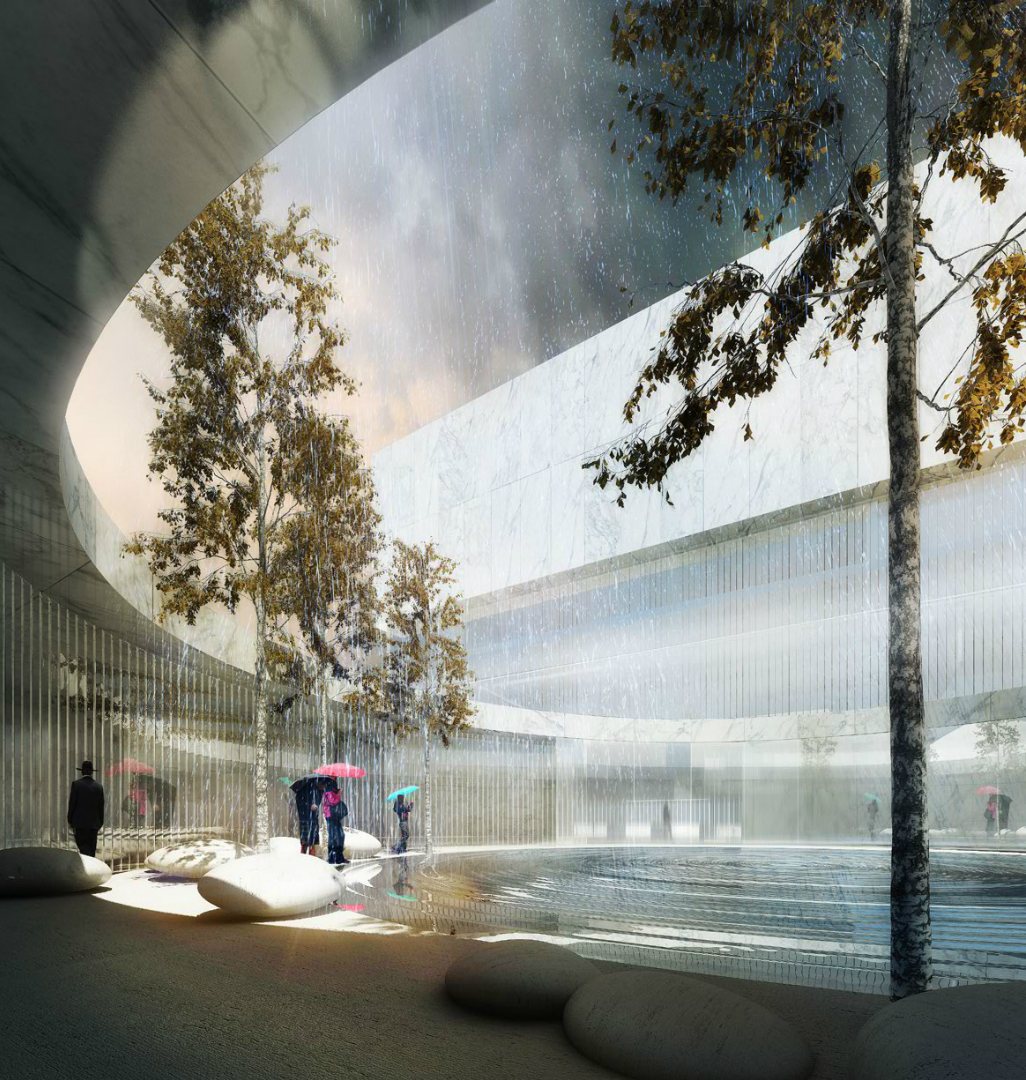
(85, 767)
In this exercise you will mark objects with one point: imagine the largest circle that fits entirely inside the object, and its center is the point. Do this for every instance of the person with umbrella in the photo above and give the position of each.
(309, 791)
(402, 812)
(335, 813)
(991, 812)
(135, 803)
(1004, 806)
(335, 810)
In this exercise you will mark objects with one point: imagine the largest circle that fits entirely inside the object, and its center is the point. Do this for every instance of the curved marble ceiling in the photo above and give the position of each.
(120, 122)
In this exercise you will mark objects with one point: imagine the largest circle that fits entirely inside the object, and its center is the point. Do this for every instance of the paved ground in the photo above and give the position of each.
(157, 984)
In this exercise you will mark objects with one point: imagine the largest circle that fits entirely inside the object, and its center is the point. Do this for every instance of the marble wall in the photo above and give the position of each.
(498, 483)
(754, 608)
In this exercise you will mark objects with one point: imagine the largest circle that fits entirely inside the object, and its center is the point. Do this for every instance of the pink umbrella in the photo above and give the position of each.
(130, 765)
(987, 789)
(341, 769)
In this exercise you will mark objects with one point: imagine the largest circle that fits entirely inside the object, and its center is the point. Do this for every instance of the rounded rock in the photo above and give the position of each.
(39, 871)
(657, 1025)
(360, 845)
(284, 845)
(957, 1032)
(522, 980)
(195, 859)
(271, 886)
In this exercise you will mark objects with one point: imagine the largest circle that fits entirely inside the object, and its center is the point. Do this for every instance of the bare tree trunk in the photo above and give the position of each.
(325, 713)
(428, 840)
(910, 850)
(263, 816)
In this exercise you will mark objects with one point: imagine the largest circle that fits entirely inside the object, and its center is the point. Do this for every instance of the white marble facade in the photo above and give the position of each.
(498, 483)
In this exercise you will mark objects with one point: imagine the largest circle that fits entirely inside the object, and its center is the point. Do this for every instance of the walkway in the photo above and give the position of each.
(144, 979)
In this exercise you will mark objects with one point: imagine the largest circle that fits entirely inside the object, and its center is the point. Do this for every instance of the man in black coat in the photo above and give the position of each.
(85, 809)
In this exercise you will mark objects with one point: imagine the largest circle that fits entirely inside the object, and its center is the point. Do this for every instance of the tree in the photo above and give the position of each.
(236, 432)
(327, 567)
(731, 89)
(426, 681)
(999, 747)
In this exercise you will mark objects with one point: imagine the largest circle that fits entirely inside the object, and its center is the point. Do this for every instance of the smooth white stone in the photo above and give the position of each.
(284, 845)
(39, 871)
(360, 845)
(196, 859)
(271, 886)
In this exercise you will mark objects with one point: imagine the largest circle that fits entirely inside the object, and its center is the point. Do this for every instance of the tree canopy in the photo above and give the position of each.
(236, 433)
(725, 89)
(427, 677)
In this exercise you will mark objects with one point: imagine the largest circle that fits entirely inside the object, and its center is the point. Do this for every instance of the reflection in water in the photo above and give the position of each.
(812, 915)
(401, 889)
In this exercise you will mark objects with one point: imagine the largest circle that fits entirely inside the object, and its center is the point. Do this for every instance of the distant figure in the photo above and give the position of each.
(402, 812)
(335, 813)
(136, 804)
(1004, 805)
(667, 822)
(872, 812)
(85, 809)
(990, 815)
(162, 800)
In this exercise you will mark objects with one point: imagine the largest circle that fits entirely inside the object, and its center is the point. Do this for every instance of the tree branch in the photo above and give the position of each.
(989, 254)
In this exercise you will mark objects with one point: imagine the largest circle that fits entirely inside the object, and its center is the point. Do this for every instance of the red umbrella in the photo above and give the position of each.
(130, 765)
(987, 789)
(341, 769)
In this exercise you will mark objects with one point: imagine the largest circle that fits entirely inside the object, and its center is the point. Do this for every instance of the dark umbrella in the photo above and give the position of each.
(307, 785)
(155, 785)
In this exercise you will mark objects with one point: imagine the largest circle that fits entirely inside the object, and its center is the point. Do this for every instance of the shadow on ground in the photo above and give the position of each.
(95, 989)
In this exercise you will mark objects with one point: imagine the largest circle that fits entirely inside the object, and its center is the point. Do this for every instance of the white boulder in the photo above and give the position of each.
(39, 871)
(196, 859)
(271, 886)
(283, 845)
(360, 845)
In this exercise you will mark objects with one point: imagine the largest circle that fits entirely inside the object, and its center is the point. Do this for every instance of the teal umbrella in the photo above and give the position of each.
(870, 796)
(402, 791)
(285, 780)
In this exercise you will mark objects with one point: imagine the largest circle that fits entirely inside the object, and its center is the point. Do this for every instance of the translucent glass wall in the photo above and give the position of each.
(734, 688)
(784, 620)
(731, 691)
(177, 726)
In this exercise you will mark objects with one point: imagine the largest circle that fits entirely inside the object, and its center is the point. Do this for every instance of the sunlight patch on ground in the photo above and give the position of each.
(161, 893)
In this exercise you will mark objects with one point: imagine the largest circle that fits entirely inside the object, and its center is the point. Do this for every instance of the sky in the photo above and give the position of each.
(483, 226)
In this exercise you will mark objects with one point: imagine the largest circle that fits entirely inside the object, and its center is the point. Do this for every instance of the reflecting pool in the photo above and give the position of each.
(803, 915)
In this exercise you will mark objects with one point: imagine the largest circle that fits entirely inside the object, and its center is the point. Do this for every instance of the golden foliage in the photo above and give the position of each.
(726, 85)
